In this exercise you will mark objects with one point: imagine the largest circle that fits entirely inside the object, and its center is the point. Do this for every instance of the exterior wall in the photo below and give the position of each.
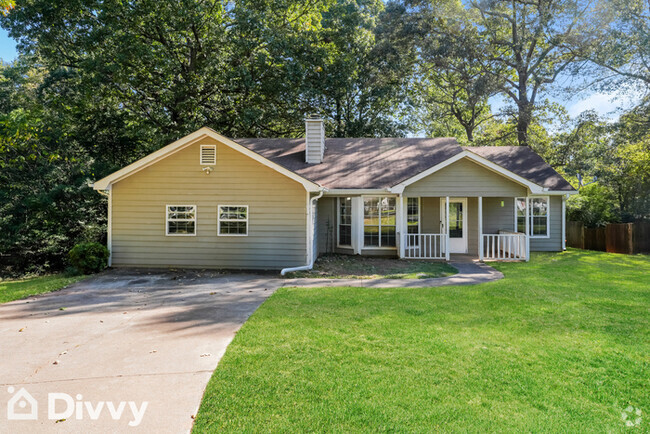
(497, 218)
(277, 221)
(554, 242)
(326, 225)
(465, 178)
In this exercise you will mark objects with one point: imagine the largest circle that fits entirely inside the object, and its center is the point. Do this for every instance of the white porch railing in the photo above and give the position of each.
(504, 246)
(424, 246)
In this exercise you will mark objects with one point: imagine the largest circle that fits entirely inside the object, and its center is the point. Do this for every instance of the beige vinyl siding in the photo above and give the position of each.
(497, 218)
(430, 215)
(276, 206)
(465, 178)
(554, 242)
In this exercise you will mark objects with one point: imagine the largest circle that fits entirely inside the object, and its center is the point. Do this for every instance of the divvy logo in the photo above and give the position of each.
(23, 406)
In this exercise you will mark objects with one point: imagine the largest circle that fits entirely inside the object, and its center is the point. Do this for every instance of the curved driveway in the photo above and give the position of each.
(122, 336)
(134, 336)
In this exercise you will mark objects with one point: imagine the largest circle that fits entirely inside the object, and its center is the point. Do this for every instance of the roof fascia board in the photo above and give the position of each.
(355, 191)
(188, 140)
(534, 188)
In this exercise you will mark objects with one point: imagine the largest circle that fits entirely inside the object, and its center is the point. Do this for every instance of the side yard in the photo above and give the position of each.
(11, 290)
(561, 344)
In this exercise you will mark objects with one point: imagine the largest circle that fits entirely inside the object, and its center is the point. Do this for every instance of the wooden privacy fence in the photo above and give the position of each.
(626, 238)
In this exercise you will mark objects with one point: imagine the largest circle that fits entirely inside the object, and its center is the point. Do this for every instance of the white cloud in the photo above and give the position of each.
(608, 104)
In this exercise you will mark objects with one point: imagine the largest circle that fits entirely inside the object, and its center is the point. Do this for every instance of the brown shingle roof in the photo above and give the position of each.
(381, 163)
(358, 163)
(524, 162)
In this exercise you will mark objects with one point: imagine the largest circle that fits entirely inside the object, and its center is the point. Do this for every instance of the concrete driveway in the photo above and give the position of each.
(122, 337)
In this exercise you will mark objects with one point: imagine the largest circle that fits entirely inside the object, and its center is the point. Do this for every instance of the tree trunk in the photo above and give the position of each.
(524, 107)
(522, 126)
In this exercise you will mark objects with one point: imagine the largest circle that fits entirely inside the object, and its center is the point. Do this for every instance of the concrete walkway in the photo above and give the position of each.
(469, 273)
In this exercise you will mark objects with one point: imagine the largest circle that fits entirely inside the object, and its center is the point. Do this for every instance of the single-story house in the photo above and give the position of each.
(213, 202)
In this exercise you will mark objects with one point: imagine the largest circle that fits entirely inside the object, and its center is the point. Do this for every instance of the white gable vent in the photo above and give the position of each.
(208, 155)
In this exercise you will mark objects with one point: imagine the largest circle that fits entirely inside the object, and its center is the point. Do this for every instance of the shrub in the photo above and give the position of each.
(89, 257)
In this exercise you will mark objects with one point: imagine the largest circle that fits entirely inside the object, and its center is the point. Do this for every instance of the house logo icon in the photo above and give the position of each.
(21, 406)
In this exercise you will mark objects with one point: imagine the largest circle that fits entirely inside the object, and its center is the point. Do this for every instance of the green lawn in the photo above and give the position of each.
(11, 290)
(561, 344)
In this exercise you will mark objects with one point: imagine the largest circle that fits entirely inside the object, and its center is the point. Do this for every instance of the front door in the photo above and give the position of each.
(457, 223)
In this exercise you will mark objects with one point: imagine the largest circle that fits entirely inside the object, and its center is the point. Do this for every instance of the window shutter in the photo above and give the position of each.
(208, 154)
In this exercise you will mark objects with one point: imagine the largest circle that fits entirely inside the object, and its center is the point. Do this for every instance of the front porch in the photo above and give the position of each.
(482, 227)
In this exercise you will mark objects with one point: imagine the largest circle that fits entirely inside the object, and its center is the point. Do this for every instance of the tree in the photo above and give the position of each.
(360, 75)
(453, 82)
(526, 44)
(617, 41)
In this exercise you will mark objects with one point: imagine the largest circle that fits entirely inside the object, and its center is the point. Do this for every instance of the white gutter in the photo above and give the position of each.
(311, 256)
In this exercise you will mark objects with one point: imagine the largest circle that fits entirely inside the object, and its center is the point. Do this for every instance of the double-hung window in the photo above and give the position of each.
(539, 215)
(379, 222)
(345, 221)
(413, 215)
(180, 220)
(232, 220)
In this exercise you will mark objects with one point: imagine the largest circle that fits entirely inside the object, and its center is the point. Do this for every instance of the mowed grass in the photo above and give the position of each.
(11, 290)
(561, 344)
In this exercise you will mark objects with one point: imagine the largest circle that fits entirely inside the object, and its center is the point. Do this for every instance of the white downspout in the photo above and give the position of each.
(311, 256)
(109, 223)
(563, 223)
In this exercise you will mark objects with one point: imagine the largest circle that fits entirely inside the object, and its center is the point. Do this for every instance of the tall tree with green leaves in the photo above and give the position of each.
(526, 44)
(617, 41)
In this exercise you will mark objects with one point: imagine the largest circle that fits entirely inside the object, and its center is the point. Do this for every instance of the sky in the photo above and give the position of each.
(605, 104)
(7, 46)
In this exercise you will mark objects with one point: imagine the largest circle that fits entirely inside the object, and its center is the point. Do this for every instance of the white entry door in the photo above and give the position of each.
(457, 223)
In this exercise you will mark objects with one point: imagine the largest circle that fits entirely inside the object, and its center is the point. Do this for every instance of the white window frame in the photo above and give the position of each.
(363, 223)
(219, 220)
(406, 214)
(201, 155)
(167, 220)
(338, 222)
(529, 201)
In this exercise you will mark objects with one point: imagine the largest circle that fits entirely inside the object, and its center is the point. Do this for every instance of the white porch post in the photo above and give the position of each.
(357, 224)
(527, 229)
(563, 223)
(447, 229)
(401, 224)
(480, 228)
